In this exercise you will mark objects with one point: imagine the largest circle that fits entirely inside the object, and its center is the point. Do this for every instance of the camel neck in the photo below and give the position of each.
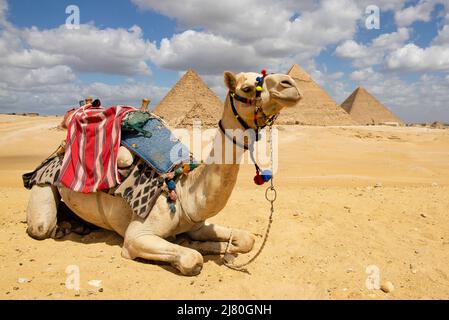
(210, 186)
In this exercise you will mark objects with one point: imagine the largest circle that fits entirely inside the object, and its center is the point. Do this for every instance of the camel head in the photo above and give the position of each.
(261, 97)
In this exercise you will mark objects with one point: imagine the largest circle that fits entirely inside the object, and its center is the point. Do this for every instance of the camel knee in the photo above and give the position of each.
(130, 249)
(41, 231)
(190, 263)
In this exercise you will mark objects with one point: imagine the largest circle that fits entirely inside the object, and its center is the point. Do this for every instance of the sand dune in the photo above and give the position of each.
(349, 197)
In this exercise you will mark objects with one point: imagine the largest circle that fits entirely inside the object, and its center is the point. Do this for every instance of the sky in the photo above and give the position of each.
(124, 50)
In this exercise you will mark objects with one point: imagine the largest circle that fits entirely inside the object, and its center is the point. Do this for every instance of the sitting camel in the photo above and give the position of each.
(201, 195)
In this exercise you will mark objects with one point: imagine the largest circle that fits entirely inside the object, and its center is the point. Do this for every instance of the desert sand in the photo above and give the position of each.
(349, 198)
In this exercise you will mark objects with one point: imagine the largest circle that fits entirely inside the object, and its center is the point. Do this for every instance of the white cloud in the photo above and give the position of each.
(89, 49)
(414, 58)
(331, 23)
(251, 38)
(243, 20)
(433, 58)
(391, 40)
(352, 50)
(25, 78)
(365, 75)
(374, 52)
(251, 20)
(420, 12)
(206, 52)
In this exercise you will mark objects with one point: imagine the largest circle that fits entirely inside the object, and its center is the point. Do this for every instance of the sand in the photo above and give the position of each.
(349, 198)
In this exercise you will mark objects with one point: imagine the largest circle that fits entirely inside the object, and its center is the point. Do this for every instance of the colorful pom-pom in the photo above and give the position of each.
(259, 88)
(170, 175)
(258, 179)
(264, 72)
(267, 175)
(173, 196)
(186, 169)
(258, 79)
(172, 207)
(193, 166)
(178, 171)
(171, 185)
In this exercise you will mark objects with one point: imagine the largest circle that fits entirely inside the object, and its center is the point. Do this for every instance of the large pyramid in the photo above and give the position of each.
(316, 107)
(190, 100)
(365, 109)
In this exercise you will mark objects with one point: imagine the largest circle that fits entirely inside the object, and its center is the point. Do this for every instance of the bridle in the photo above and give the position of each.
(261, 176)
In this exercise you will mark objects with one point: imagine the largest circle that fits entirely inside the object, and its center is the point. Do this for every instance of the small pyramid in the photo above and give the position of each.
(316, 107)
(367, 110)
(190, 100)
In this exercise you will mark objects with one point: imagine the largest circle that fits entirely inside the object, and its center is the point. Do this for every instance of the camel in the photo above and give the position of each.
(201, 195)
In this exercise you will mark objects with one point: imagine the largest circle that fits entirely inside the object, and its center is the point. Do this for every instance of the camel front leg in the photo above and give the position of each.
(42, 212)
(139, 243)
(213, 239)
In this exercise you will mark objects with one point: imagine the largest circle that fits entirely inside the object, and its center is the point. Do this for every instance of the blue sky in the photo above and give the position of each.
(128, 49)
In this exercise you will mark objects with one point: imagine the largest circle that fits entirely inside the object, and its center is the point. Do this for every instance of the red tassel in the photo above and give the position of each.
(258, 179)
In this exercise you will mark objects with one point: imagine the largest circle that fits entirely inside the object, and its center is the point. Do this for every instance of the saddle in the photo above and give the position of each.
(157, 160)
(154, 143)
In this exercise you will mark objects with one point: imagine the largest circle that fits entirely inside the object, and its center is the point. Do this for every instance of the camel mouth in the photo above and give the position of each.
(288, 96)
(283, 90)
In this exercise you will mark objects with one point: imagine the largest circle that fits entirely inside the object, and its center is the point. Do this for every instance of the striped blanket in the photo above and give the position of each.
(92, 143)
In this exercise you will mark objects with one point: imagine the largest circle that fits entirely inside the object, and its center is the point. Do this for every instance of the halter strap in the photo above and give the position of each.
(235, 112)
(242, 99)
(233, 139)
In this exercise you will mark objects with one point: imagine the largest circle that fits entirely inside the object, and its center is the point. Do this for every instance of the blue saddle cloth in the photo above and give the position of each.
(161, 149)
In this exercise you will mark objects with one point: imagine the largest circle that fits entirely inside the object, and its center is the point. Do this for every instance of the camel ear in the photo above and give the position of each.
(230, 80)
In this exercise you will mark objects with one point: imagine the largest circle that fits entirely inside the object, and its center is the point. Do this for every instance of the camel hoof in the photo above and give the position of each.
(190, 264)
(62, 229)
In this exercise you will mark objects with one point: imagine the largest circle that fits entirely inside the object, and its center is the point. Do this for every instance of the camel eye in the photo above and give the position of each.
(247, 89)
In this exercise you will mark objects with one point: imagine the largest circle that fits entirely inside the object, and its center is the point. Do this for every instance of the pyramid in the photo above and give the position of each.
(366, 109)
(190, 100)
(316, 107)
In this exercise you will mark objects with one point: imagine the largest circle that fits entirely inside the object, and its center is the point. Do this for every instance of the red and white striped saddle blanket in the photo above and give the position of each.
(92, 143)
